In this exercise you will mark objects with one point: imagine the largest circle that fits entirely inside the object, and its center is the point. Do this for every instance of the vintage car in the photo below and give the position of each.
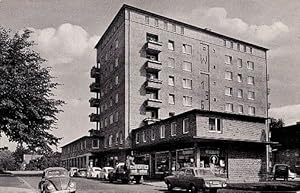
(56, 180)
(82, 172)
(195, 179)
(93, 172)
(283, 171)
(73, 171)
(104, 172)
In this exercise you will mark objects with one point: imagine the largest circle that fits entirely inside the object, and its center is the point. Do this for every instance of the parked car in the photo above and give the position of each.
(93, 172)
(104, 172)
(56, 179)
(82, 172)
(72, 171)
(283, 171)
(195, 179)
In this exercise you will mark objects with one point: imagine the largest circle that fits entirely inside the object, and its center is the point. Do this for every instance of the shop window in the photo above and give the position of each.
(185, 126)
(173, 128)
(215, 125)
(162, 131)
(214, 158)
(161, 162)
(185, 158)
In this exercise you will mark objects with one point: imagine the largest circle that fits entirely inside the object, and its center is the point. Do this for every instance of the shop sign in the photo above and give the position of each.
(212, 151)
(187, 152)
(214, 159)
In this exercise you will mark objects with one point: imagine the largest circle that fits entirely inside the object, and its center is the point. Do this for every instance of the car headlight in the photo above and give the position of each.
(50, 187)
(72, 185)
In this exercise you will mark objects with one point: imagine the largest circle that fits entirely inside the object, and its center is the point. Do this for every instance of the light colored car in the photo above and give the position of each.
(104, 172)
(72, 171)
(93, 172)
(56, 180)
(82, 172)
(195, 179)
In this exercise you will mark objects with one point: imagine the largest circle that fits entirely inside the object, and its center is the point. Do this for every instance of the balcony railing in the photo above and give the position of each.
(153, 84)
(153, 65)
(95, 72)
(95, 87)
(150, 120)
(153, 103)
(153, 47)
(94, 117)
(94, 102)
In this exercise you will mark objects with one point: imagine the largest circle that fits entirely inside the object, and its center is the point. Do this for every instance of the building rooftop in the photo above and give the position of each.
(205, 30)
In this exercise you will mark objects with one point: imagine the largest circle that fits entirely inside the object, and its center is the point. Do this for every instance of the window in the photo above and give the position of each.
(116, 43)
(215, 125)
(239, 78)
(228, 91)
(171, 81)
(173, 27)
(251, 50)
(250, 65)
(111, 102)
(105, 142)
(228, 59)
(121, 138)
(165, 25)
(185, 126)
(110, 140)
(251, 110)
(171, 99)
(117, 117)
(156, 22)
(173, 128)
(240, 62)
(117, 98)
(224, 42)
(229, 107)
(117, 80)
(137, 138)
(187, 83)
(95, 143)
(187, 49)
(152, 37)
(245, 48)
(171, 45)
(101, 124)
(231, 45)
(240, 93)
(240, 109)
(152, 134)
(250, 80)
(152, 94)
(111, 119)
(116, 62)
(228, 75)
(187, 101)
(144, 136)
(171, 62)
(251, 95)
(187, 66)
(105, 122)
(146, 19)
(239, 47)
(171, 114)
(162, 131)
(182, 30)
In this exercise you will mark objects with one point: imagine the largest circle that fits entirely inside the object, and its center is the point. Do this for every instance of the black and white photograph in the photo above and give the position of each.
(149, 96)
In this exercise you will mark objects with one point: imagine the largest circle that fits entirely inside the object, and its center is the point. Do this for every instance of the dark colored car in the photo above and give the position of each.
(195, 179)
(56, 180)
(283, 171)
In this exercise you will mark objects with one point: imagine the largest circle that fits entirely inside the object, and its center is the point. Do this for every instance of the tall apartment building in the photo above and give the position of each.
(150, 67)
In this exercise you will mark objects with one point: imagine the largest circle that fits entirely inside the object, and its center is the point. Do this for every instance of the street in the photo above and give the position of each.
(29, 185)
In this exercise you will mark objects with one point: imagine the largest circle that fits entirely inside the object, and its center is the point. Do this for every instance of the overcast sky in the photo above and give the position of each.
(67, 30)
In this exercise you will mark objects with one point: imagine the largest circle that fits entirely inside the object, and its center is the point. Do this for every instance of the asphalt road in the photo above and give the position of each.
(95, 186)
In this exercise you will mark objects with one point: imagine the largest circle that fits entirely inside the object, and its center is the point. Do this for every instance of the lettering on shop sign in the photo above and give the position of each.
(212, 151)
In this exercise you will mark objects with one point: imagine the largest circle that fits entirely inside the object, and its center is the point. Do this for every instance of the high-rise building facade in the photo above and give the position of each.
(150, 67)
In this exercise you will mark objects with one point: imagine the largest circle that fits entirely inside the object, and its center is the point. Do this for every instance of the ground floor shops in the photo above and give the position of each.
(237, 161)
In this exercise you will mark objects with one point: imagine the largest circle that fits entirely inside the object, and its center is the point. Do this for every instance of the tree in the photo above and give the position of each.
(28, 108)
(7, 161)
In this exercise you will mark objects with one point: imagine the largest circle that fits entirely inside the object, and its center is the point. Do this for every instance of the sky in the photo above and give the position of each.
(66, 32)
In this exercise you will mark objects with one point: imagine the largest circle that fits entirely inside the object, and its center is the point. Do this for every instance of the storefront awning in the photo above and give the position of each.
(228, 140)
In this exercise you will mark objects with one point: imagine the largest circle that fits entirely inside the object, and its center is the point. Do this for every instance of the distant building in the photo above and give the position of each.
(288, 152)
(152, 69)
(28, 157)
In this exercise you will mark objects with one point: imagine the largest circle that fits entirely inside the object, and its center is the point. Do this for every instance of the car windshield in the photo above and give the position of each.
(57, 173)
(204, 173)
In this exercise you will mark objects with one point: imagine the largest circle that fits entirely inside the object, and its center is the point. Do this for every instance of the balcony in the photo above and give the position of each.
(150, 120)
(95, 87)
(94, 117)
(94, 102)
(95, 72)
(153, 84)
(153, 103)
(153, 65)
(153, 47)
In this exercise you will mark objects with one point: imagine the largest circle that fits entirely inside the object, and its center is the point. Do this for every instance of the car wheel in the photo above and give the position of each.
(192, 189)
(169, 186)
